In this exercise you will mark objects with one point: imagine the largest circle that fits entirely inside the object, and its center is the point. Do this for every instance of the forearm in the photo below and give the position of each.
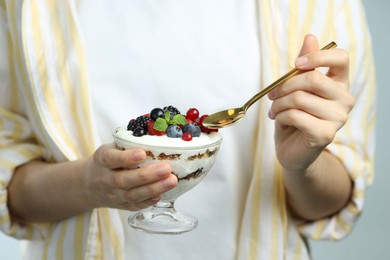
(321, 191)
(41, 191)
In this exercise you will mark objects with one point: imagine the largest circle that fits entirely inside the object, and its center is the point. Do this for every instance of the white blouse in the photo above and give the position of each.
(204, 54)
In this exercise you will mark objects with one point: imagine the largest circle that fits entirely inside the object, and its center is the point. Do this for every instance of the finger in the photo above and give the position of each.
(134, 206)
(145, 192)
(108, 156)
(337, 60)
(312, 104)
(318, 132)
(314, 82)
(128, 179)
(310, 43)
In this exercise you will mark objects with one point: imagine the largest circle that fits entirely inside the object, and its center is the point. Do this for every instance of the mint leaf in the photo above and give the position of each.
(178, 120)
(167, 116)
(160, 124)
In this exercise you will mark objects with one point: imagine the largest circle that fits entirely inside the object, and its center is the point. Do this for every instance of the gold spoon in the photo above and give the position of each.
(231, 116)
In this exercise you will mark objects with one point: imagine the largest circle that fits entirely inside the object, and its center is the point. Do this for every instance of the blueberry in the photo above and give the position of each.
(192, 128)
(174, 131)
(156, 113)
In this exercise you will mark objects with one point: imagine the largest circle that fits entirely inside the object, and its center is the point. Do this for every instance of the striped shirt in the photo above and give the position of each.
(44, 66)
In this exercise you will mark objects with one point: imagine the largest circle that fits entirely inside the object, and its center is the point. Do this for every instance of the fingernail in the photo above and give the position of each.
(168, 183)
(270, 115)
(162, 171)
(138, 155)
(271, 94)
(301, 61)
(157, 198)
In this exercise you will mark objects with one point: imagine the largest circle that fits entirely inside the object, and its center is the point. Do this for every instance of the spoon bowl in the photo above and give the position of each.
(231, 116)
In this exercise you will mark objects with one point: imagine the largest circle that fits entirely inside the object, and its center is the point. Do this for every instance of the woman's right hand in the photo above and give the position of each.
(114, 180)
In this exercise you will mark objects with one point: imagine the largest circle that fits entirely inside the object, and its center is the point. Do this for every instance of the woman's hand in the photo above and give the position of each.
(308, 111)
(311, 107)
(115, 181)
(41, 191)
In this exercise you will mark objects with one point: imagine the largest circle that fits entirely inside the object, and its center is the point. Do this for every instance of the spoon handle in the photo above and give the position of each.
(280, 81)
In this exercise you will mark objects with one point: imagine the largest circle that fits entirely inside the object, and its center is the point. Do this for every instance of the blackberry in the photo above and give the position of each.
(131, 125)
(172, 110)
(141, 121)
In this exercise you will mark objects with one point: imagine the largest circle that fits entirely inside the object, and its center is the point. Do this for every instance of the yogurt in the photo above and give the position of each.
(190, 161)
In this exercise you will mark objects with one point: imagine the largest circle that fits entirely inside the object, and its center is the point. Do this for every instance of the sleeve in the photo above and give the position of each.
(354, 144)
(17, 142)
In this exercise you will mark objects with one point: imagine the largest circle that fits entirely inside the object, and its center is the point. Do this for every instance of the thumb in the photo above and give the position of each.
(310, 43)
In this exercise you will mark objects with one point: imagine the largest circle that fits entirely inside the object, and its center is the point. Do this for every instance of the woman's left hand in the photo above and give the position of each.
(311, 107)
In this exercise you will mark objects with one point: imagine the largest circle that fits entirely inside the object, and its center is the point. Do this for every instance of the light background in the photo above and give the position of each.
(367, 241)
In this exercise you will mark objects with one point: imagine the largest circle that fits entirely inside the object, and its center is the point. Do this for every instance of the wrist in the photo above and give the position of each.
(89, 186)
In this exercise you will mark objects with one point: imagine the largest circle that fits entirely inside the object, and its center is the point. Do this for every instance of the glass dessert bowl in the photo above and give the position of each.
(190, 162)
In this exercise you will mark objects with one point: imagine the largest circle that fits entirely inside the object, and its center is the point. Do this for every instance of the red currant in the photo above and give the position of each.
(192, 114)
(202, 127)
(187, 136)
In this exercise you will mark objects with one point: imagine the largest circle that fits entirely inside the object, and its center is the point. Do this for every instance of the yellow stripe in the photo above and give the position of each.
(29, 153)
(78, 240)
(3, 199)
(86, 126)
(45, 250)
(61, 238)
(342, 224)
(112, 234)
(348, 128)
(17, 131)
(45, 81)
(358, 193)
(368, 68)
(308, 18)
(328, 32)
(29, 232)
(16, 54)
(352, 40)
(278, 214)
(292, 31)
(351, 208)
(4, 219)
(61, 40)
(98, 249)
(15, 48)
(297, 255)
(255, 214)
(14, 94)
(320, 225)
(264, 13)
(7, 164)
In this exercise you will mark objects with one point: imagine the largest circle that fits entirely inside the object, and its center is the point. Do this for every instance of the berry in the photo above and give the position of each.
(171, 109)
(131, 125)
(153, 131)
(192, 114)
(204, 129)
(174, 131)
(141, 121)
(155, 113)
(192, 128)
(187, 136)
(139, 131)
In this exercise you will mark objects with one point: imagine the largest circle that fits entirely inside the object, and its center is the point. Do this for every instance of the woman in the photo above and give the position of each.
(295, 168)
